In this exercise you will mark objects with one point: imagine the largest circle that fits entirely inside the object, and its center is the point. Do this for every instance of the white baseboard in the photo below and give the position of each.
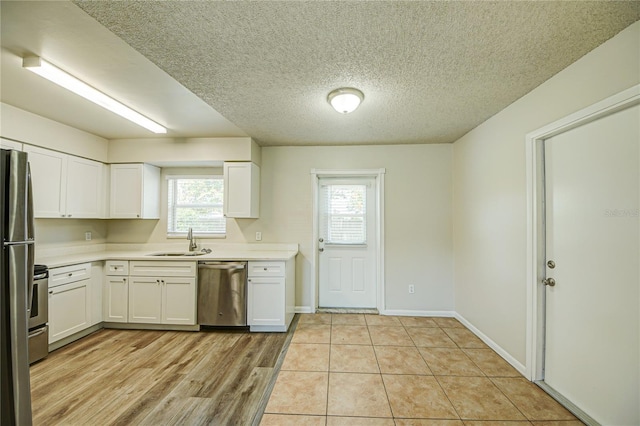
(304, 310)
(493, 345)
(410, 313)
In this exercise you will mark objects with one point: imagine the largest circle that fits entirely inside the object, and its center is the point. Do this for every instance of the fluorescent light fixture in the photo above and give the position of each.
(69, 82)
(345, 100)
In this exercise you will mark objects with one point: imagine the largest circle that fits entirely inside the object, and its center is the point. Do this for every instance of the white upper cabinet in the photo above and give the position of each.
(241, 190)
(7, 144)
(85, 188)
(65, 185)
(135, 191)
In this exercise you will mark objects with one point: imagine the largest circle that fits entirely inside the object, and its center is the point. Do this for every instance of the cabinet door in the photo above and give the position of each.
(68, 309)
(48, 173)
(266, 301)
(178, 300)
(145, 300)
(241, 190)
(115, 299)
(84, 188)
(126, 191)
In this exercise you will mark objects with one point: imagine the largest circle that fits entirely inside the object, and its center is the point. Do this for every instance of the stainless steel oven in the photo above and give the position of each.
(39, 315)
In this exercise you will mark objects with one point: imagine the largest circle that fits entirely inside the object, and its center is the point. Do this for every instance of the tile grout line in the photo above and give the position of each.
(262, 406)
(384, 386)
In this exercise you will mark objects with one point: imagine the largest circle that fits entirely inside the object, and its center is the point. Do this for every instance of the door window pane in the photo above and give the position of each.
(344, 214)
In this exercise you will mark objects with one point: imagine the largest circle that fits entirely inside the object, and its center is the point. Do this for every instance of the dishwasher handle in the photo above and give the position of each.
(221, 265)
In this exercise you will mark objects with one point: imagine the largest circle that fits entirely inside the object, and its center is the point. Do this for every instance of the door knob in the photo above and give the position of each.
(549, 281)
(321, 249)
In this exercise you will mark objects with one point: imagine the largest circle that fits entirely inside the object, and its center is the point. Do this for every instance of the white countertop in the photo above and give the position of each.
(70, 256)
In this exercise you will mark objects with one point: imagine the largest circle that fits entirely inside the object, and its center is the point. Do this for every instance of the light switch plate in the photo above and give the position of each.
(258, 236)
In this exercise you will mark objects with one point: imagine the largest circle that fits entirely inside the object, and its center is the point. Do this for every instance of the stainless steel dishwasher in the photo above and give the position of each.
(222, 293)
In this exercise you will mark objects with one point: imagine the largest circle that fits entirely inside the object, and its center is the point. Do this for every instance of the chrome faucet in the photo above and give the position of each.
(192, 241)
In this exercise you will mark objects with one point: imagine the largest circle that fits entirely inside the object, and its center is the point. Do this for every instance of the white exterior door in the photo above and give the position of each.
(592, 339)
(347, 243)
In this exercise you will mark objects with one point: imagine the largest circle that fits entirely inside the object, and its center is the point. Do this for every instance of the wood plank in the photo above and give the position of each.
(123, 377)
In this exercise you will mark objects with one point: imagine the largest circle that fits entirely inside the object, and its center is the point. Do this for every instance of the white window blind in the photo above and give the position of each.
(344, 213)
(195, 202)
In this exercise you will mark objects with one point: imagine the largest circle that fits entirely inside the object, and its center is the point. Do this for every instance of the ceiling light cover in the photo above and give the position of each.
(346, 99)
(71, 83)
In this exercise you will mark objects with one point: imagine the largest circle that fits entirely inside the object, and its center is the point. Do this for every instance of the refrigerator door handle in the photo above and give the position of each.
(31, 250)
(30, 213)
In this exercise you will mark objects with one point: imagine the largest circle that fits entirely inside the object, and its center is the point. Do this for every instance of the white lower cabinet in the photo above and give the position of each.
(267, 302)
(166, 298)
(271, 295)
(179, 300)
(69, 301)
(115, 291)
(115, 298)
(145, 300)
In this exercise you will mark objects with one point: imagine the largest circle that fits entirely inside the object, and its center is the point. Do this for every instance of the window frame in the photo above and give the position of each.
(171, 206)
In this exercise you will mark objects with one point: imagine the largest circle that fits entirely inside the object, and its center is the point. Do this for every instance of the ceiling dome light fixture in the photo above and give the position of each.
(345, 99)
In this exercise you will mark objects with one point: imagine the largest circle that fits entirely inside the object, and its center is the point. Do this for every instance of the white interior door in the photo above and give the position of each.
(592, 338)
(347, 243)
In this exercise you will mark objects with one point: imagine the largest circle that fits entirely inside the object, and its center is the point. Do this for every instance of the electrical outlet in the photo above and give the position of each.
(258, 236)
(412, 289)
(87, 236)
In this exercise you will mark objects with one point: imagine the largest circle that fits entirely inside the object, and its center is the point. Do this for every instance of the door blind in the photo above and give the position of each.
(343, 218)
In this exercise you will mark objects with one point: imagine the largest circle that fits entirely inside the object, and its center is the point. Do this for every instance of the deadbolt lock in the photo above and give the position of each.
(551, 264)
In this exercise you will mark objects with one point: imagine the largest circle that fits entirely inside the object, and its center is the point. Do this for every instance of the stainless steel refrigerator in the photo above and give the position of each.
(16, 279)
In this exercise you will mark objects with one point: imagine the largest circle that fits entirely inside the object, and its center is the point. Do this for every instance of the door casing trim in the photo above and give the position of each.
(378, 175)
(534, 151)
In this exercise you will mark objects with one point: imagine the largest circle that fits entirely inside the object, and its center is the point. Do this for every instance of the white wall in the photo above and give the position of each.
(418, 240)
(489, 188)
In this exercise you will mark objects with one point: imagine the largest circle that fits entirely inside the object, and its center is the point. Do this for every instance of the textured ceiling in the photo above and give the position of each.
(63, 34)
(430, 71)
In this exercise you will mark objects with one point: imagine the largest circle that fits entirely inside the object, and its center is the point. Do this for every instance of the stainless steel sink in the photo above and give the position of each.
(173, 254)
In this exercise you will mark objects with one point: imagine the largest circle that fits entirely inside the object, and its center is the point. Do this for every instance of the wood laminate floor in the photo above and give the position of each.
(133, 377)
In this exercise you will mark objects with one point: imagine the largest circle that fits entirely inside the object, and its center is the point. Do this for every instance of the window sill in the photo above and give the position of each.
(197, 236)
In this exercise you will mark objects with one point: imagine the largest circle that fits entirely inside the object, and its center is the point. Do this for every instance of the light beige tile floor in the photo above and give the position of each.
(351, 369)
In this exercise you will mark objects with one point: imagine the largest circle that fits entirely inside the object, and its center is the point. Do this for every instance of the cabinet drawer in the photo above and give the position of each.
(266, 269)
(69, 274)
(152, 268)
(117, 267)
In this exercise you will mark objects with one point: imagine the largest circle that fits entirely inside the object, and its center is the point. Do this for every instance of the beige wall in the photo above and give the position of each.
(33, 129)
(51, 233)
(418, 236)
(155, 230)
(490, 194)
(418, 241)
(160, 151)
